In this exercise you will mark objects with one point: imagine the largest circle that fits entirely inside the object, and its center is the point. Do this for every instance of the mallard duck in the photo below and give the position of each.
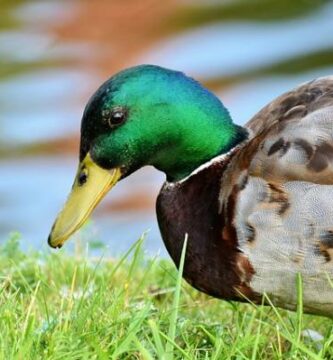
(255, 201)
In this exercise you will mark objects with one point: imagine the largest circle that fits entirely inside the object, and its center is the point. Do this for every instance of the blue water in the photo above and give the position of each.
(255, 94)
(236, 47)
(44, 105)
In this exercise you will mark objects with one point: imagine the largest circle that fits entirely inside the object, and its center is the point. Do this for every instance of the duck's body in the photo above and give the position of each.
(256, 203)
(261, 215)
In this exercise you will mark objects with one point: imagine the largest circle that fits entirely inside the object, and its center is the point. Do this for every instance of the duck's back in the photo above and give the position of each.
(283, 181)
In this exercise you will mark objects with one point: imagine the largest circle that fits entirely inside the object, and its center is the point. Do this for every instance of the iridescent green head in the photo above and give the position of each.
(148, 115)
(145, 115)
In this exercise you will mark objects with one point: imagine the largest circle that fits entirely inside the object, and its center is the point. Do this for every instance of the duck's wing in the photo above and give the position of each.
(282, 186)
(293, 136)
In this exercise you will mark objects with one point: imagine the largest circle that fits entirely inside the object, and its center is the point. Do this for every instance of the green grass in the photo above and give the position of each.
(57, 306)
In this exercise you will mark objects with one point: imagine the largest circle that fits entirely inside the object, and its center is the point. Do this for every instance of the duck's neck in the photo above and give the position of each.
(197, 143)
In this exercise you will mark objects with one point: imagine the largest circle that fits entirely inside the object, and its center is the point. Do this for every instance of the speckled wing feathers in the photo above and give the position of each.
(284, 210)
(292, 137)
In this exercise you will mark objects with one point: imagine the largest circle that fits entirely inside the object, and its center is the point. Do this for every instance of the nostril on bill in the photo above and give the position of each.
(82, 179)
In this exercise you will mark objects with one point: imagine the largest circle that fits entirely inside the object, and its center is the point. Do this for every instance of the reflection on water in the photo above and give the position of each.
(44, 104)
(265, 89)
(48, 71)
(228, 49)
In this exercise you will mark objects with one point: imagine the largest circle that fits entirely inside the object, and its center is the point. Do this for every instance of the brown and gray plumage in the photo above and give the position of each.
(266, 211)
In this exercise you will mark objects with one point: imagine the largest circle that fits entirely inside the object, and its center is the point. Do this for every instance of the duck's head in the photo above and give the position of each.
(146, 115)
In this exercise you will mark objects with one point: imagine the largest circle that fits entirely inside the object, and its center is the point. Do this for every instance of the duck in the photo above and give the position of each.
(255, 202)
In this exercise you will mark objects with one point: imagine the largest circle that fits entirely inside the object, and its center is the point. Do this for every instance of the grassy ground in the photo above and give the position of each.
(63, 307)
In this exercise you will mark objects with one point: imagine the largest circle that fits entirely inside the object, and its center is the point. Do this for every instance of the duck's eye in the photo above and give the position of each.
(116, 116)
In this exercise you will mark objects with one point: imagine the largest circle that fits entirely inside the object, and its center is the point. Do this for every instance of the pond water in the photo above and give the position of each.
(53, 54)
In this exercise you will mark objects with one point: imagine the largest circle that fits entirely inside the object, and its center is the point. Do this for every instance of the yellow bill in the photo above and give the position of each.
(90, 186)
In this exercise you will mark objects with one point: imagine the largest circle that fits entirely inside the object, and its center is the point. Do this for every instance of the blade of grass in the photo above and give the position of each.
(157, 340)
(126, 255)
(174, 345)
(299, 314)
(143, 351)
(257, 339)
(175, 305)
(132, 331)
(136, 257)
(31, 304)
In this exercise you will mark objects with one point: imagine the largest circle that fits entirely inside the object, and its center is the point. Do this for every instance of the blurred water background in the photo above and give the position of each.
(53, 54)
